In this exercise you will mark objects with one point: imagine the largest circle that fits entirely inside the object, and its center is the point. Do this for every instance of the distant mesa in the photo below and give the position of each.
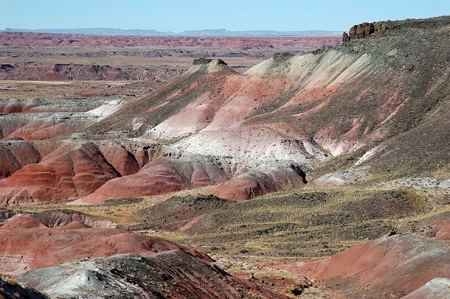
(282, 56)
(202, 32)
(200, 61)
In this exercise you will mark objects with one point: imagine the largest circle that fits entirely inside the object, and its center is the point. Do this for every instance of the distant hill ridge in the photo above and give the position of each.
(203, 32)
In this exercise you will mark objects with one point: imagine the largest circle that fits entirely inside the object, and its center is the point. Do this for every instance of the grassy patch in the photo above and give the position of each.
(307, 223)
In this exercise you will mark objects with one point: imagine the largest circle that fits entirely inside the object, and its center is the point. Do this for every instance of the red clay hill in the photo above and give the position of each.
(256, 132)
(393, 265)
(163, 266)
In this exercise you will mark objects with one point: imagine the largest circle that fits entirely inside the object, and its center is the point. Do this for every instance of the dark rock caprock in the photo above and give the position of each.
(366, 29)
(345, 37)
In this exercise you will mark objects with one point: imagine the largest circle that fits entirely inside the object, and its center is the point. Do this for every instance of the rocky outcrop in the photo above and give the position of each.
(345, 37)
(167, 274)
(5, 214)
(6, 67)
(366, 29)
(57, 218)
(363, 30)
(11, 288)
(207, 61)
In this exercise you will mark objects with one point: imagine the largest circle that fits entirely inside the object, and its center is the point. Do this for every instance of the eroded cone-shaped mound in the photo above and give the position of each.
(155, 178)
(393, 264)
(43, 129)
(122, 160)
(21, 221)
(68, 172)
(15, 155)
(28, 244)
(253, 184)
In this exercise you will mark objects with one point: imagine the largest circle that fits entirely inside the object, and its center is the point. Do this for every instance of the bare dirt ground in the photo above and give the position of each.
(154, 54)
(66, 66)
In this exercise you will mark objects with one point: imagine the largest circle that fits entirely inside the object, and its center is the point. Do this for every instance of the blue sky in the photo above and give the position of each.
(179, 15)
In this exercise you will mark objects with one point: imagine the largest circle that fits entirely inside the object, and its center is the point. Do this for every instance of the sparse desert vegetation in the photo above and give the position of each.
(276, 175)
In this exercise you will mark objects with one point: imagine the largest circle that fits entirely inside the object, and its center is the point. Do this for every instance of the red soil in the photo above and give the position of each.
(28, 244)
(255, 184)
(122, 160)
(391, 265)
(443, 230)
(155, 178)
(42, 129)
(68, 172)
(15, 156)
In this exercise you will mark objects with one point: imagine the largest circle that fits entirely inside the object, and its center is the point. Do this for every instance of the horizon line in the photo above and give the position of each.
(157, 32)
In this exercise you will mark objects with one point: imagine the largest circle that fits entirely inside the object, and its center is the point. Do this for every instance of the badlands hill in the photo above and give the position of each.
(380, 102)
(298, 157)
(117, 262)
